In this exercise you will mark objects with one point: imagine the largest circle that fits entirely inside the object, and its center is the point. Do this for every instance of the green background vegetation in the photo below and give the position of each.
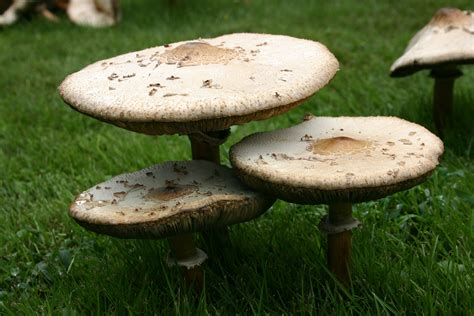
(413, 255)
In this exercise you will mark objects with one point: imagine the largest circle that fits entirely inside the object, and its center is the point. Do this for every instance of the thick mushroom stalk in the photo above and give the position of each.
(443, 94)
(205, 145)
(189, 258)
(338, 225)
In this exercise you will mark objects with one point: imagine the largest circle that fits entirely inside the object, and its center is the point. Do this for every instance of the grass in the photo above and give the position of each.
(413, 255)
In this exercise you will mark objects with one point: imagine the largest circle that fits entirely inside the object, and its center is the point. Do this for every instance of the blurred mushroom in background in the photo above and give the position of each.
(11, 10)
(93, 13)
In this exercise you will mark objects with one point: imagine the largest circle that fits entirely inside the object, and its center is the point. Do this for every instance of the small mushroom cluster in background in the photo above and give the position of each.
(92, 13)
(446, 42)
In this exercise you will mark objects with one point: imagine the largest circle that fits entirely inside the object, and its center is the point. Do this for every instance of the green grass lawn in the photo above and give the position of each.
(413, 255)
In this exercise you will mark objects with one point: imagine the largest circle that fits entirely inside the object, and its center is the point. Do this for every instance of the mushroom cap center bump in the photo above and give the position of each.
(338, 145)
(198, 53)
(451, 17)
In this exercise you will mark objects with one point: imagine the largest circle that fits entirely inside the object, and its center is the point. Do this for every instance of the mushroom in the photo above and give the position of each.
(94, 13)
(170, 200)
(201, 87)
(444, 43)
(10, 10)
(338, 161)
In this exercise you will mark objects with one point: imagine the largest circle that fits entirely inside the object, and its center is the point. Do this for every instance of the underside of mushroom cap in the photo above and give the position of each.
(168, 199)
(201, 85)
(448, 39)
(343, 159)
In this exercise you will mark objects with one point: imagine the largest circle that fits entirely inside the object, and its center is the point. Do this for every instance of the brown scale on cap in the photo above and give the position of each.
(198, 53)
(338, 145)
(170, 192)
(450, 17)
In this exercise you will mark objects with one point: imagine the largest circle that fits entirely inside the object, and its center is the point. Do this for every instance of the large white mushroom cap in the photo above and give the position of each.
(168, 199)
(201, 85)
(343, 159)
(447, 39)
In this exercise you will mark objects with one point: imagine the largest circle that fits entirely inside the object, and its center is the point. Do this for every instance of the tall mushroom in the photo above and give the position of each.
(170, 200)
(338, 161)
(442, 45)
(201, 87)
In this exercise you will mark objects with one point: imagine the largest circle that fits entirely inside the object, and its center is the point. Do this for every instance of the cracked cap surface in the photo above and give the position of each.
(337, 159)
(201, 85)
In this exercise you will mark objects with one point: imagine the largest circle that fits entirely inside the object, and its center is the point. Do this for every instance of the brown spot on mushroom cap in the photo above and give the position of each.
(198, 53)
(338, 145)
(170, 192)
(453, 17)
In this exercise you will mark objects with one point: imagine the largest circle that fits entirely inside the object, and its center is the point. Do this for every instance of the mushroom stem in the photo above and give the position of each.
(340, 240)
(205, 146)
(204, 151)
(443, 94)
(183, 248)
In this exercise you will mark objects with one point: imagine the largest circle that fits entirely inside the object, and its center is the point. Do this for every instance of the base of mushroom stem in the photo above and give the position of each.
(338, 226)
(185, 255)
(443, 94)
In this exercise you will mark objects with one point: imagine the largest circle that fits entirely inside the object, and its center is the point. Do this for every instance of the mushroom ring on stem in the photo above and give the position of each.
(338, 161)
(444, 43)
(170, 200)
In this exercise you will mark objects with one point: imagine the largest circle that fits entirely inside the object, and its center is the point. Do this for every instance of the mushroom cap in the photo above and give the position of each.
(448, 39)
(201, 85)
(342, 159)
(93, 13)
(168, 199)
